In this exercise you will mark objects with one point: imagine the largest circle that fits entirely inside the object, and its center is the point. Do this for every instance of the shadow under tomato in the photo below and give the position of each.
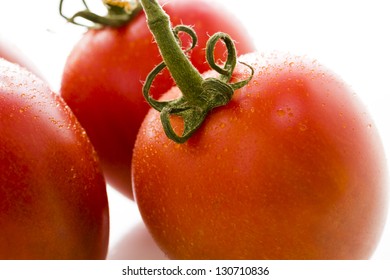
(137, 244)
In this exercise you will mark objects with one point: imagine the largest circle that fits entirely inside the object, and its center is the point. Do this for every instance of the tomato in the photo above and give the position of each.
(13, 54)
(291, 168)
(102, 78)
(53, 201)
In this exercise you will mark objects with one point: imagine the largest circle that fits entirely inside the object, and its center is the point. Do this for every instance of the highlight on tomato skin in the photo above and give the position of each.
(103, 75)
(53, 200)
(12, 53)
(292, 168)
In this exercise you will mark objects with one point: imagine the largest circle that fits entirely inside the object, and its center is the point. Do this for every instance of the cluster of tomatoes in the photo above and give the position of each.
(291, 168)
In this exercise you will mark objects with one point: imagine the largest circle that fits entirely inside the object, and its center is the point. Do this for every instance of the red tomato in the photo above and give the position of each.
(102, 79)
(53, 201)
(291, 168)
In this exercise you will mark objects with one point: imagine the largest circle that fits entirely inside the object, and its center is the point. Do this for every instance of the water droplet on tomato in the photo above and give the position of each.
(281, 112)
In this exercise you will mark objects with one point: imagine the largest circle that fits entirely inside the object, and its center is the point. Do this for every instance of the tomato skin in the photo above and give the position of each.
(291, 168)
(102, 79)
(53, 201)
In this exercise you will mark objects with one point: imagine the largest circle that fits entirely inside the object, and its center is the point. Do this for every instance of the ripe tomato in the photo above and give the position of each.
(102, 79)
(291, 168)
(53, 202)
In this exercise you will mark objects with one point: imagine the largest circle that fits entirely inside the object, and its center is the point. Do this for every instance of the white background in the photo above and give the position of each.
(350, 37)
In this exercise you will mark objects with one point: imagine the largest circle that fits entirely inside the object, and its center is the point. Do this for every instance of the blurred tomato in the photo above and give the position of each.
(53, 201)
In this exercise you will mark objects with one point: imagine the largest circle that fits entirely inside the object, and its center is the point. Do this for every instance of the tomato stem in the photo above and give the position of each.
(119, 13)
(199, 95)
(187, 78)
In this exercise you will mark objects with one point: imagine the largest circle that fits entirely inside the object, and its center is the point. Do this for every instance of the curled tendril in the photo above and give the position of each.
(227, 71)
(215, 91)
(189, 31)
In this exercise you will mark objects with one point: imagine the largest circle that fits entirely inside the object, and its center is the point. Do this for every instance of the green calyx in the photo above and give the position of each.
(199, 95)
(119, 12)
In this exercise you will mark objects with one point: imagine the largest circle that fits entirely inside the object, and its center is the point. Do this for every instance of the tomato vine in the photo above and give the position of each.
(118, 14)
(199, 95)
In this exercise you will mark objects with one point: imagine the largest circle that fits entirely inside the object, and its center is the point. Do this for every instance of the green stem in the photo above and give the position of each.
(187, 78)
(118, 14)
(199, 95)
